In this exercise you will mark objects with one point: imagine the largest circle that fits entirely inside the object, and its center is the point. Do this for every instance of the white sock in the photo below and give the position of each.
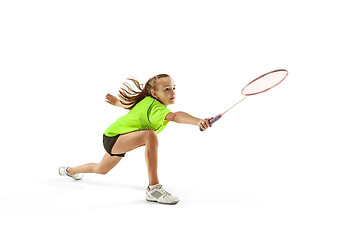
(152, 186)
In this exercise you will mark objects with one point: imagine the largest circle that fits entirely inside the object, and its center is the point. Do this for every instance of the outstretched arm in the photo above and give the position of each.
(183, 117)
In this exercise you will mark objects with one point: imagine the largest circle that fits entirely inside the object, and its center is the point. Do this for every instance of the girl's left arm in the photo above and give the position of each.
(183, 117)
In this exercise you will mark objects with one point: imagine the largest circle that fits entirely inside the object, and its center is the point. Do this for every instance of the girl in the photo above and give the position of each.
(147, 117)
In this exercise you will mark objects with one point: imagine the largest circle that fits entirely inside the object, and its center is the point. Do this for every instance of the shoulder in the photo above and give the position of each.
(145, 103)
(147, 100)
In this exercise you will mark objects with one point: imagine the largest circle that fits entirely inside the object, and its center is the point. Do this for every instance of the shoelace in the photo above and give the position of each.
(164, 191)
(67, 173)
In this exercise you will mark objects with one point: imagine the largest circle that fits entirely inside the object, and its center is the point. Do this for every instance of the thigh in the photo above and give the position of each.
(129, 141)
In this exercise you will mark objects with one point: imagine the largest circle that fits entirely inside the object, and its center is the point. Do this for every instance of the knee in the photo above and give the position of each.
(100, 170)
(151, 137)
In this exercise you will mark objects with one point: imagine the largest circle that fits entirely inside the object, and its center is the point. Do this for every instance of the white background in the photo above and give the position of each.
(281, 165)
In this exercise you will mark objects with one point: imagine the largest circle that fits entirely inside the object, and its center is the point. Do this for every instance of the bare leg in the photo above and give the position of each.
(151, 158)
(106, 164)
(133, 140)
(126, 143)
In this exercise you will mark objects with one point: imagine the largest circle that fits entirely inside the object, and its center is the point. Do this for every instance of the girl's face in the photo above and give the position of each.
(165, 91)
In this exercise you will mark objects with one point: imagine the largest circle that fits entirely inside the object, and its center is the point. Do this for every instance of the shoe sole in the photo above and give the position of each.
(172, 203)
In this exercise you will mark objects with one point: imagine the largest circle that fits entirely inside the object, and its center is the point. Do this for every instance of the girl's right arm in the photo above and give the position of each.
(113, 100)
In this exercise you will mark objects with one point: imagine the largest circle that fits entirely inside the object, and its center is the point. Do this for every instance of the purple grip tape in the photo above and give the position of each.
(212, 121)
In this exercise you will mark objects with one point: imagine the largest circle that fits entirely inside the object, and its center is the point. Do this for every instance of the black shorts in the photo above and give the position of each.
(109, 143)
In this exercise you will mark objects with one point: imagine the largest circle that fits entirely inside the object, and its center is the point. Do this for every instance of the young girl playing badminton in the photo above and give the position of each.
(147, 117)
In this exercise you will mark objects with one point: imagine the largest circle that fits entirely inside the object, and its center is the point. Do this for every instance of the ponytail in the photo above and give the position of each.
(130, 97)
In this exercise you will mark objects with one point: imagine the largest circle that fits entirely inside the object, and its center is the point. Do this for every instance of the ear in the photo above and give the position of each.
(153, 93)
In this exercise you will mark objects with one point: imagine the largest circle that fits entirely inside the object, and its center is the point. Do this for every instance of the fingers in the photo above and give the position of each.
(203, 127)
(109, 98)
(204, 124)
(207, 122)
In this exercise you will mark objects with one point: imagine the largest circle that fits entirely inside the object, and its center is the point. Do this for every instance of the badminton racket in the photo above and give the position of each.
(258, 85)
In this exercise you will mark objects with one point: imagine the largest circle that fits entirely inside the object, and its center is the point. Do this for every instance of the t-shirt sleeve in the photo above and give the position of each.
(158, 114)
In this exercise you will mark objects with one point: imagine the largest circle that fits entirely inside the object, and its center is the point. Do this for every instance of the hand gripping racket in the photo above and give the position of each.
(258, 85)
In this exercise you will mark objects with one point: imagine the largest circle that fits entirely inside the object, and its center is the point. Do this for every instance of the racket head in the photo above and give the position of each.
(265, 82)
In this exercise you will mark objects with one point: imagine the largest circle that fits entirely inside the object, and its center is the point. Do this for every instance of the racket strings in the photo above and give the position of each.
(265, 82)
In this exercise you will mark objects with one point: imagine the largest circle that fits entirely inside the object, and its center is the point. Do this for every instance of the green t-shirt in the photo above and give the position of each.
(149, 113)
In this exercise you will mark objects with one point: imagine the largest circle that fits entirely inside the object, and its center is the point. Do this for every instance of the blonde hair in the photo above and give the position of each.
(130, 97)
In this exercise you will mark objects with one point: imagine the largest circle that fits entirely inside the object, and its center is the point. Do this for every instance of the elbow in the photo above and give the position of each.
(178, 117)
(171, 117)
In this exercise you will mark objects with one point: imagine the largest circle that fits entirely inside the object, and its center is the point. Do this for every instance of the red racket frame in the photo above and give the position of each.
(278, 70)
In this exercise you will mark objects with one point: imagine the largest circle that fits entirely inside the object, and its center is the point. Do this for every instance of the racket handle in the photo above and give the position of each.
(212, 121)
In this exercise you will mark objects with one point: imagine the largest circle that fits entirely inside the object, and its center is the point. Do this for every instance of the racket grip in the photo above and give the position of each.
(212, 121)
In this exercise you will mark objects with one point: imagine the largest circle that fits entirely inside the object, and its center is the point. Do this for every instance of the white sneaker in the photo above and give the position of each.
(63, 171)
(158, 194)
